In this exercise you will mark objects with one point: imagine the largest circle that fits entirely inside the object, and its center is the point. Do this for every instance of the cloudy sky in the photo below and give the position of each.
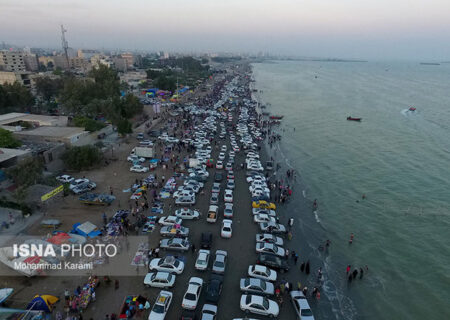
(370, 29)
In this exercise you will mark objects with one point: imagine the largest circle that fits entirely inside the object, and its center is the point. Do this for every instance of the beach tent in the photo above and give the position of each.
(86, 229)
(42, 302)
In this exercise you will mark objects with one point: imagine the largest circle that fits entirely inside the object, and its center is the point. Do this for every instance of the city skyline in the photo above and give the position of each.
(412, 30)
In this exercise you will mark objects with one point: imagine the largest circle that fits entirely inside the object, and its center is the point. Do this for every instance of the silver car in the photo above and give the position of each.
(180, 244)
(220, 262)
(257, 286)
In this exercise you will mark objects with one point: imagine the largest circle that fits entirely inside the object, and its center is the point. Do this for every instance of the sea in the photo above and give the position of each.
(398, 159)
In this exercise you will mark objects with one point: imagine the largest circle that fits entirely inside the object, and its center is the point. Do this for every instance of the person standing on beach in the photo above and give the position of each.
(307, 267)
(351, 238)
(355, 273)
(361, 273)
(302, 266)
(348, 268)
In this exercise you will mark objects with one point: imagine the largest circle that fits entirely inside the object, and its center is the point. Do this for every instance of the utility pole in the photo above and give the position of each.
(65, 44)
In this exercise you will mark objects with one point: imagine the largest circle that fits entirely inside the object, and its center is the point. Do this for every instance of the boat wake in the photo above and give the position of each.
(316, 215)
(304, 194)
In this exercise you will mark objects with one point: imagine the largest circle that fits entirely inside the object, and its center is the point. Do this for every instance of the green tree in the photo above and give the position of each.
(27, 172)
(15, 97)
(7, 139)
(82, 158)
(48, 87)
(90, 125)
(124, 127)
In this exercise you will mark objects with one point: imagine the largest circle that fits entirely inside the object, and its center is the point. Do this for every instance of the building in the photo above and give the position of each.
(45, 60)
(80, 63)
(10, 157)
(133, 78)
(66, 135)
(31, 62)
(98, 60)
(12, 61)
(11, 77)
(61, 62)
(129, 59)
(86, 54)
(10, 121)
(120, 64)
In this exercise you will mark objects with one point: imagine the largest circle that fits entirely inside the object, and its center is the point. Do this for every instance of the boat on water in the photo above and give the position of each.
(354, 119)
(412, 109)
(276, 117)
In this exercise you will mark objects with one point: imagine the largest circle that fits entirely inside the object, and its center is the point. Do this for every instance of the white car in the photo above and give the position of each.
(262, 272)
(202, 260)
(228, 196)
(224, 148)
(269, 238)
(222, 156)
(169, 220)
(219, 165)
(185, 200)
(139, 168)
(227, 230)
(259, 305)
(269, 212)
(159, 280)
(192, 294)
(78, 183)
(134, 158)
(209, 312)
(187, 214)
(183, 193)
(65, 178)
(228, 211)
(301, 305)
(270, 248)
(262, 217)
(161, 306)
(168, 264)
(230, 184)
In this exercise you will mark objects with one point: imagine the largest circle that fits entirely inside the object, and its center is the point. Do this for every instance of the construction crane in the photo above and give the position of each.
(65, 44)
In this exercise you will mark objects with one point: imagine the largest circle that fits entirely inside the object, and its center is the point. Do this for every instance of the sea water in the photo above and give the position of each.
(399, 159)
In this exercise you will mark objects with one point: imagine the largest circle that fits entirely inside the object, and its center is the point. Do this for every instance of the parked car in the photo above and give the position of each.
(228, 210)
(77, 183)
(259, 305)
(187, 214)
(228, 196)
(301, 305)
(214, 198)
(218, 176)
(214, 288)
(192, 294)
(264, 205)
(65, 178)
(180, 244)
(257, 286)
(258, 218)
(206, 240)
(174, 231)
(185, 200)
(269, 238)
(168, 264)
(271, 227)
(209, 312)
(159, 280)
(169, 220)
(188, 315)
(161, 306)
(84, 188)
(227, 230)
(270, 248)
(262, 272)
(139, 168)
(135, 158)
(220, 262)
(202, 261)
(273, 262)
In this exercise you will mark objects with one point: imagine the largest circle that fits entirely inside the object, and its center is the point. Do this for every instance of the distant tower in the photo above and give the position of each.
(65, 44)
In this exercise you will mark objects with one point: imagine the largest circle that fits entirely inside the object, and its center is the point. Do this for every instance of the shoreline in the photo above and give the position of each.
(299, 207)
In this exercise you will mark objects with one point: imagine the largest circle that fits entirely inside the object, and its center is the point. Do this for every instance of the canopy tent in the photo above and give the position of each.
(5, 293)
(86, 229)
(43, 302)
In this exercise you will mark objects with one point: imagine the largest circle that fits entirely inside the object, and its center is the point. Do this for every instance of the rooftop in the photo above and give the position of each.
(6, 153)
(54, 132)
(43, 120)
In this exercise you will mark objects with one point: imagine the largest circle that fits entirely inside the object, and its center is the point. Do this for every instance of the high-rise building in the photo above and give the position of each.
(12, 61)
(129, 58)
(31, 62)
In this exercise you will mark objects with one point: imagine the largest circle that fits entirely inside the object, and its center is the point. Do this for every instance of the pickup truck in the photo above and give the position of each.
(212, 214)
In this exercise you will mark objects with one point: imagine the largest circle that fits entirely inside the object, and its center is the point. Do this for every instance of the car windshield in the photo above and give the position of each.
(158, 308)
(190, 296)
(219, 264)
(265, 303)
(306, 312)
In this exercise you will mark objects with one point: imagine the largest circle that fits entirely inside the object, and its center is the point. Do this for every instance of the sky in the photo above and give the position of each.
(364, 29)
